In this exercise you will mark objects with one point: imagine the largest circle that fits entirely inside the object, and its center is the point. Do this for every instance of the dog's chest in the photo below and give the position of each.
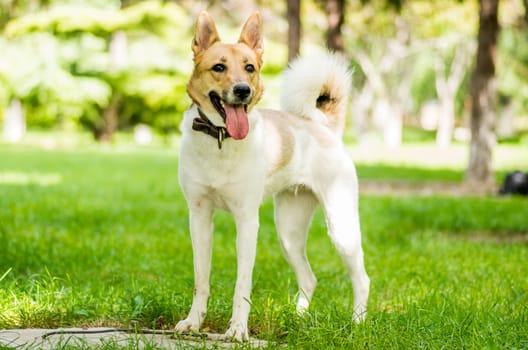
(237, 163)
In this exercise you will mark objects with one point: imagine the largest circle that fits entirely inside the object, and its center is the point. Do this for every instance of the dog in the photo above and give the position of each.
(233, 155)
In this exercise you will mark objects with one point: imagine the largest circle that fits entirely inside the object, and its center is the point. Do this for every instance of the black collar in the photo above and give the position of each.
(203, 124)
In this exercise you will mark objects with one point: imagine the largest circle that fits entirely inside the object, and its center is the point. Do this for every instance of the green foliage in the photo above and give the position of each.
(423, 80)
(74, 18)
(513, 60)
(441, 17)
(34, 74)
(68, 73)
(56, 56)
(423, 87)
(424, 19)
(81, 246)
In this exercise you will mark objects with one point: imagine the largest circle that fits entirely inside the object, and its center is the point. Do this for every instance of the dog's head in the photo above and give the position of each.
(225, 82)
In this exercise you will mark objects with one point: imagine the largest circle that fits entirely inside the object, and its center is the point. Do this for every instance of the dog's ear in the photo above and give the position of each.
(251, 34)
(205, 34)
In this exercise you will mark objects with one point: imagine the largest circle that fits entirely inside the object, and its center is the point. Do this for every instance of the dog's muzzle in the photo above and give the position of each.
(233, 109)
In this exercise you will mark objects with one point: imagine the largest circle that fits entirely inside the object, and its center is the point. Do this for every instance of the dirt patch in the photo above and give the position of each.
(43, 339)
(426, 188)
(513, 238)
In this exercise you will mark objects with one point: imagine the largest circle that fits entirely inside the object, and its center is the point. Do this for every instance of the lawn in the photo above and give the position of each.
(98, 236)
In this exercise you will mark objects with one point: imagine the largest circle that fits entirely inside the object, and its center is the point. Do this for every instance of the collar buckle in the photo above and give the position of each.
(203, 124)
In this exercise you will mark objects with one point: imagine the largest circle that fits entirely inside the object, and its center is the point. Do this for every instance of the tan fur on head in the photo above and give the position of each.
(206, 34)
(209, 50)
(251, 35)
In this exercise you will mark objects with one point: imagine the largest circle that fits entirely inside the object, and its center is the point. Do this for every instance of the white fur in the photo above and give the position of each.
(304, 79)
(238, 176)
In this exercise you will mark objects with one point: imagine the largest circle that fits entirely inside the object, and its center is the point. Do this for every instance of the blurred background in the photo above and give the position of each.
(108, 69)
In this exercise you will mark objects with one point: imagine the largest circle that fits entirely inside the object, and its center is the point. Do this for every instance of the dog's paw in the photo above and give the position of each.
(187, 326)
(302, 305)
(237, 332)
(359, 317)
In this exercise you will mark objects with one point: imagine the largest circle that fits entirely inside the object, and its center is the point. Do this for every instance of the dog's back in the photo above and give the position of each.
(310, 125)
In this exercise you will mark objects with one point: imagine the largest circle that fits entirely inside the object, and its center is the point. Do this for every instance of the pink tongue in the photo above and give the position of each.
(236, 121)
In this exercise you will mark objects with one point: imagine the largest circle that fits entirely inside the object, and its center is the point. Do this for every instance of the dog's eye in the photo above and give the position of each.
(249, 68)
(219, 67)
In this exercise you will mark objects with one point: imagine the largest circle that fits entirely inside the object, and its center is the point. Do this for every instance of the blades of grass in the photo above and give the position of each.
(6, 273)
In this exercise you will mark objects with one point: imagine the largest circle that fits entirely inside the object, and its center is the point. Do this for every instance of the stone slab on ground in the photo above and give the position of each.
(33, 339)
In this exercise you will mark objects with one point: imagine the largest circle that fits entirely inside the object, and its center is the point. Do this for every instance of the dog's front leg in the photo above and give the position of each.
(201, 227)
(247, 224)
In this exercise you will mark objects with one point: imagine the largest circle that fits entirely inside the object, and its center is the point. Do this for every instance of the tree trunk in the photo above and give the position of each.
(387, 115)
(505, 124)
(483, 96)
(446, 120)
(336, 16)
(362, 101)
(446, 124)
(446, 90)
(110, 121)
(8, 12)
(294, 28)
(12, 9)
(525, 10)
(14, 122)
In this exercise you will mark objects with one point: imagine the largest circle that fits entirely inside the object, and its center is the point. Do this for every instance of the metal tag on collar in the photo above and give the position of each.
(221, 137)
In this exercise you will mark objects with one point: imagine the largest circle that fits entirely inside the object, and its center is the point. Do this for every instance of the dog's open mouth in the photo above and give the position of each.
(235, 116)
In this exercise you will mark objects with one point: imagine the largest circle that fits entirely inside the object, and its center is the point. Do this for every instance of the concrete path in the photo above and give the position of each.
(33, 339)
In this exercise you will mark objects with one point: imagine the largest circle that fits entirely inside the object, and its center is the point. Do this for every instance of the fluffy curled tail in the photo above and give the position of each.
(318, 87)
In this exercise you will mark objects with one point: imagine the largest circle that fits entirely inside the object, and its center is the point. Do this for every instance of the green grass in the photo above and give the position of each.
(99, 237)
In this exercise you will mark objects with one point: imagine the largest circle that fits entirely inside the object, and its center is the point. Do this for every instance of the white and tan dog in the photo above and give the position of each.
(233, 155)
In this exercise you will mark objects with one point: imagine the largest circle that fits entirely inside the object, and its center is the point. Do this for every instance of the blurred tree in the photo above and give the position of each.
(406, 54)
(335, 14)
(525, 2)
(483, 96)
(31, 70)
(387, 82)
(109, 122)
(103, 68)
(294, 28)
(10, 9)
(447, 86)
(335, 10)
(67, 75)
(512, 62)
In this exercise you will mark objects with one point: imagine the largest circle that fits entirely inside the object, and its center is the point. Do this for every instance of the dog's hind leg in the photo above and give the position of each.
(293, 214)
(201, 227)
(340, 206)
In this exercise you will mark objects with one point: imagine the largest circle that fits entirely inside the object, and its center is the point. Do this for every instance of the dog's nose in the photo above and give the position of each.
(241, 91)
